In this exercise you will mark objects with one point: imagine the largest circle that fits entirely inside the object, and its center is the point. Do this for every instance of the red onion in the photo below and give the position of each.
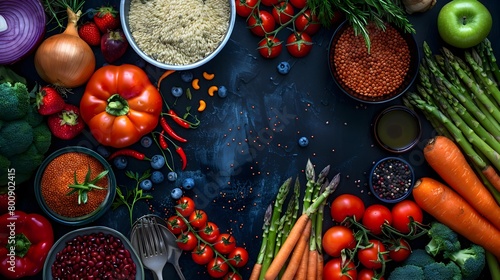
(22, 26)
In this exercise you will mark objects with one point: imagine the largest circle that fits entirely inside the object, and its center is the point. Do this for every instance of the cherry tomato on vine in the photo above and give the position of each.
(269, 3)
(299, 44)
(232, 276)
(187, 241)
(347, 205)
(261, 22)
(245, 7)
(225, 243)
(336, 239)
(372, 256)
(217, 267)
(299, 4)
(307, 22)
(198, 219)
(270, 47)
(238, 257)
(210, 232)
(176, 224)
(399, 250)
(185, 206)
(375, 216)
(202, 254)
(401, 213)
(334, 269)
(368, 274)
(283, 12)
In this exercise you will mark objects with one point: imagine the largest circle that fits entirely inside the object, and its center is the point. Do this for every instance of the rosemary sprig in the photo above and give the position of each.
(87, 185)
(56, 10)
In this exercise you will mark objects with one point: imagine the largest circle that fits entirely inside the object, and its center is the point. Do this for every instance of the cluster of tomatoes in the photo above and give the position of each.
(265, 18)
(208, 246)
(364, 239)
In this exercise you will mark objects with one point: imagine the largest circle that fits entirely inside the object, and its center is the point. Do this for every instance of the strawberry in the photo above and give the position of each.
(90, 33)
(66, 124)
(106, 18)
(113, 45)
(48, 101)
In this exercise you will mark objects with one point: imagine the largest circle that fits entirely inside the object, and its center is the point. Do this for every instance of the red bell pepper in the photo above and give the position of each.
(25, 241)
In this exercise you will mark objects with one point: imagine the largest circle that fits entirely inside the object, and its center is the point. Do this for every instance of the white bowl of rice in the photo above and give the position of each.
(177, 34)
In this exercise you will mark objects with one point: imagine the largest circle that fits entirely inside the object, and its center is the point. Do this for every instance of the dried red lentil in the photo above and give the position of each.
(59, 174)
(374, 73)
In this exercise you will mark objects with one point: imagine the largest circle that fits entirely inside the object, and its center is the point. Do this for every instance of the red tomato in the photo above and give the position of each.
(401, 213)
(400, 250)
(372, 256)
(299, 44)
(299, 4)
(335, 270)
(232, 276)
(368, 274)
(217, 267)
(187, 241)
(270, 47)
(176, 224)
(269, 3)
(375, 216)
(307, 22)
(198, 219)
(210, 232)
(347, 205)
(283, 12)
(225, 243)
(202, 254)
(336, 239)
(261, 22)
(238, 257)
(185, 206)
(245, 7)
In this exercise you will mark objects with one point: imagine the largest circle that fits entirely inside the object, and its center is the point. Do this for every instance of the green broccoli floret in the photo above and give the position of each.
(443, 240)
(442, 271)
(42, 138)
(420, 258)
(14, 101)
(15, 137)
(471, 261)
(407, 272)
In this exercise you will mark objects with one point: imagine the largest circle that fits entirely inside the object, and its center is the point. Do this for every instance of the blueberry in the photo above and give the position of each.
(157, 177)
(222, 91)
(188, 183)
(187, 76)
(176, 91)
(146, 141)
(103, 151)
(303, 141)
(146, 184)
(283, 67)
(120, 162)
(157, 162)
(90, 13)
(172, 176)
(176, 193)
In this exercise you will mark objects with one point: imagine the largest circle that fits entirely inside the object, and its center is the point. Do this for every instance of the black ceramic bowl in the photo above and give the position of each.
(391, 179)
(409, 78)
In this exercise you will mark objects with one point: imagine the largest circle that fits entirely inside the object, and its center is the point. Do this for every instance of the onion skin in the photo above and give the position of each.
(64, 59)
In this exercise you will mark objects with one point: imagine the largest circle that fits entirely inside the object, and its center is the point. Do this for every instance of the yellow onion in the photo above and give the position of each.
(64, 59)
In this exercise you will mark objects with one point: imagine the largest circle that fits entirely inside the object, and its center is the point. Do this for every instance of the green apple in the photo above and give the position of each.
(464, 23)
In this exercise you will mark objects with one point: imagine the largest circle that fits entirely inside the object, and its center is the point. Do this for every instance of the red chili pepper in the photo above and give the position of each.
(180, 121)
(128, 152)
(162, 140)
(181, 153)
(170, 131)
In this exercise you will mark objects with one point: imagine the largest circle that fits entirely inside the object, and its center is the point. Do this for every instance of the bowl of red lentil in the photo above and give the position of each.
(68, 167)
(380, 75)
(391, 179)
(96, 252)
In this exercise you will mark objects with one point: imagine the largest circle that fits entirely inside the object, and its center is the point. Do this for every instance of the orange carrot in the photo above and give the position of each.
(312, 270)
(491, 174)
(163, 76)
(288, 246)
(319, 266)
(303, 269)
(446, 158)
(255, 272)
(298, 254)
(449, 208)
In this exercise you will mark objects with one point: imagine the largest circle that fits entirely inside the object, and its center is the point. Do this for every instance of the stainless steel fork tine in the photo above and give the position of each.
(158, 238)
(146, 239)
(140, 240)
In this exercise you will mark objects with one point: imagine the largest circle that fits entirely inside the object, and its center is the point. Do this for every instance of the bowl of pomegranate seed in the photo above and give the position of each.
(96, 252)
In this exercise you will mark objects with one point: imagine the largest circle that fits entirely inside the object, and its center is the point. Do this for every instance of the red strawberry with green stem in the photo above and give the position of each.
(113, 45)
(66, 124)
(48, 101)
(106, 18)
(90, 33)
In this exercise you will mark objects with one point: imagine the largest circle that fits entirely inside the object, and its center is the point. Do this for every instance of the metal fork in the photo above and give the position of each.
(152, 248)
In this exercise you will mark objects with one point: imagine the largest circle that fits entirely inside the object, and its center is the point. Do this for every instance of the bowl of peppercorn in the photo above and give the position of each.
(391, 179)
(376, 74)
(75, 186)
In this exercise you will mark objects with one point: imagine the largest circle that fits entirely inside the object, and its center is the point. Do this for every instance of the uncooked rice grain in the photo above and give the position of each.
(178, 32)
